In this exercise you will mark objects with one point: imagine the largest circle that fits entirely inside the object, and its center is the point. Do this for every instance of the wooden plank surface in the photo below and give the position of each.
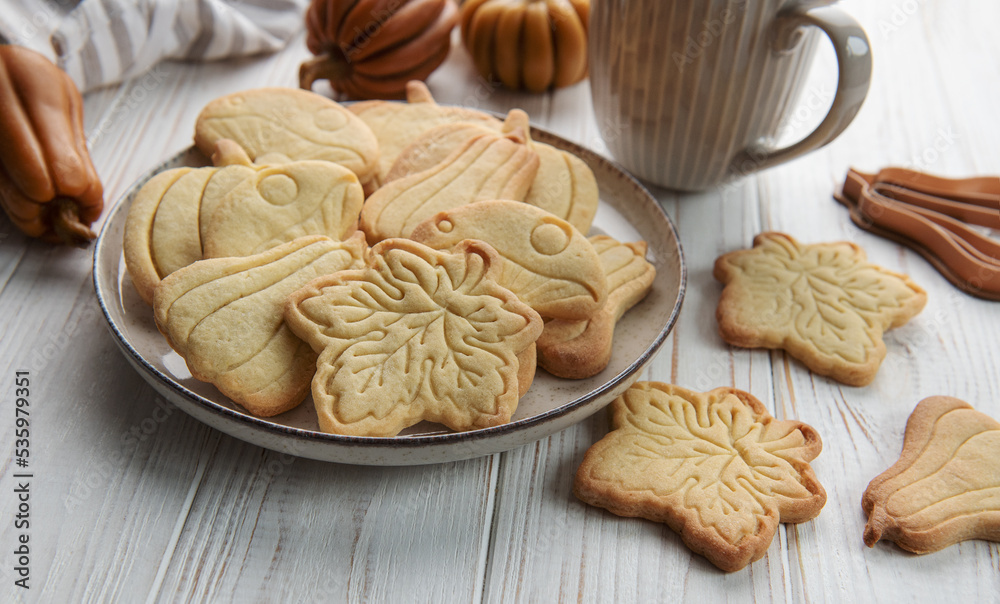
(132, 500)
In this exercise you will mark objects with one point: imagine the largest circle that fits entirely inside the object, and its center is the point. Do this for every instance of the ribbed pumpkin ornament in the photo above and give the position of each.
(370, 49)
(528, 44)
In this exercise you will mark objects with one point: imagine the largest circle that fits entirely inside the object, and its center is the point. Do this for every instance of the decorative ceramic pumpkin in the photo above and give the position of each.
(528, 44)
(372, 48)
(48, 185)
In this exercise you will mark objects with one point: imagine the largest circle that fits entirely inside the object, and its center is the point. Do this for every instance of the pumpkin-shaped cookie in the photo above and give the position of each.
(945, 487)
(564, 185)
(225, 317)
(528, 44)
(397, 125)
(287, 124)
(547, 262)
(488, 166)
(159, 240)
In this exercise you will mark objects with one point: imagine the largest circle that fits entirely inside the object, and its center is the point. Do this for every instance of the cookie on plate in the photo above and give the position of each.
(233, 209)
(225, 316)
(276, 125)
(549, 264)
(823, 303)
(397, 125)
(278, 203)
(487, 166)
(945, 488)
(713, 466)
(415, 335)
(564, 185)
(581, 349)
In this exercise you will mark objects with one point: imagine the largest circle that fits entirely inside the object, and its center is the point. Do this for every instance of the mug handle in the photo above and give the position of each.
(854, 62)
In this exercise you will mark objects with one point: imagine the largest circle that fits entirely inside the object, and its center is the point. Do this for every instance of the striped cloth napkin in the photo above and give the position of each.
(102, 42)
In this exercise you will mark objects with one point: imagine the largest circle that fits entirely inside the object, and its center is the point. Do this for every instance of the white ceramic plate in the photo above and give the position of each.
(627, 212)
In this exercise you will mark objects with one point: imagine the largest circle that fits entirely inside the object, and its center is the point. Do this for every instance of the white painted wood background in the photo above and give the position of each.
(134, 501)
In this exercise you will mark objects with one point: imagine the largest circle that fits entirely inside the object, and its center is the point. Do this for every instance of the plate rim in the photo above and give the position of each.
(405, 441)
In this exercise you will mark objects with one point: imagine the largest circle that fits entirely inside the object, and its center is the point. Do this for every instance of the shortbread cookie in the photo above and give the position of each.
(162, 231)
(714, 466)
(235, 209)
(581, 349)
(527, 363)
(433, 146)
(276, 125)
(564, 185)
(279, 203)
(239, 168)
(225, 317)
(488, 166)
(824, 303)
(397, 125)
(137, 244)
(945, 488)
(174, 244)
(416, 335)
(549, 264)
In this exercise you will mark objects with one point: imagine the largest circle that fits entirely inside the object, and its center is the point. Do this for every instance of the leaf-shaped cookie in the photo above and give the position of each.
(487, 166)
(549, 264)
(824, 303)
(581, 349)
(714, 466)
(397, 125)
(288, 124)
(564, 185)
(416, 335)
(945, 488)
(225, 316)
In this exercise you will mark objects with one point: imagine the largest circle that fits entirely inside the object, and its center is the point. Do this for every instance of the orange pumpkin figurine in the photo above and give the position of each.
(370, 49)
(48, 185)
(533, 45)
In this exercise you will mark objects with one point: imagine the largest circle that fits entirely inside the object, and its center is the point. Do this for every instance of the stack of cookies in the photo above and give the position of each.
(403, 262)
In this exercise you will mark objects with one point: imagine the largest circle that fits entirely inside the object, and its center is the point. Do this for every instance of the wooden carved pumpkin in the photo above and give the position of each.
(528, 44)
(372, 48)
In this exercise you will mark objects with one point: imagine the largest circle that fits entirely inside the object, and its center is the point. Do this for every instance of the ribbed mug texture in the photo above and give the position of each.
(682, 87)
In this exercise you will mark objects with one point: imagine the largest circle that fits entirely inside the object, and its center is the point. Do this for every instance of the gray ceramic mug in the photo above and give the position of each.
(692, 93)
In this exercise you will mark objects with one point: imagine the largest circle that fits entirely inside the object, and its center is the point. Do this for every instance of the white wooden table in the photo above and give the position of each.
(132, 500)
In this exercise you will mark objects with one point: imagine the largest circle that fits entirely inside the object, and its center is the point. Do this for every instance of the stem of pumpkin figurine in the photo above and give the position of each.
(332, 66)
(66, 223)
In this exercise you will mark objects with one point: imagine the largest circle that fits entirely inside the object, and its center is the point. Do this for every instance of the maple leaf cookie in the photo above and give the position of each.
(715, 467)
(415, 335)
(824, 303)
(945, 488)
